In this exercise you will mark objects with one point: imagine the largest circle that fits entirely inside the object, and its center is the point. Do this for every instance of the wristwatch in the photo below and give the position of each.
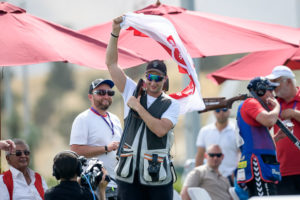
(106, 149)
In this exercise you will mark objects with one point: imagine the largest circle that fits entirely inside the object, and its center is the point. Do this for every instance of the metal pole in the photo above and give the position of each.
(192, 120)
(1, 77)
(26, 102)
(8, 103)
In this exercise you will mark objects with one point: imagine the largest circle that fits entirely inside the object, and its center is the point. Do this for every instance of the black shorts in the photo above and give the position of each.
(137, 191)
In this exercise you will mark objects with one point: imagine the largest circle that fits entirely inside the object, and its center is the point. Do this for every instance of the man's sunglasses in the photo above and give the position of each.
(19, 153)
(154, 77)
(104, 92)
(223, 109)
(215, 154)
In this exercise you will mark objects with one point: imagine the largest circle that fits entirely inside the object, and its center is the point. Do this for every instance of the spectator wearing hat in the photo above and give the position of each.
(258, 169)
(20, 182)
(144, 170)
(221, 132)
(96, 132)
(288, 96)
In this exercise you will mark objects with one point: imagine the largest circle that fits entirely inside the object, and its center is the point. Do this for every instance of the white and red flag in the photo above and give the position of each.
(162, 30)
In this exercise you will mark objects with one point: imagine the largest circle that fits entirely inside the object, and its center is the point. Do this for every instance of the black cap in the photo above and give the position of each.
(260, 85)
(158, 66)
(100, 81)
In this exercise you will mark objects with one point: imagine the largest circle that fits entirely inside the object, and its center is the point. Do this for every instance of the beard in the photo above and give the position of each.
(222, 120)
(155, 90)
(102, 104)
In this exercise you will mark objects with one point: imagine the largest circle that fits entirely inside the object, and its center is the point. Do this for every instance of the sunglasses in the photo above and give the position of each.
(223, 109)
(215, 154)
(19, 153)
(104, 92)
(154, 77)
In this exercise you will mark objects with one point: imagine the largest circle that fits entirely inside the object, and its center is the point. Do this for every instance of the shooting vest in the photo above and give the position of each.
(8, 181)
(258, 147)
(143, 151)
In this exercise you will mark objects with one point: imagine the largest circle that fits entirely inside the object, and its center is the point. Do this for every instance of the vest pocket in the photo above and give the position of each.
(154, 167)
(124, 167)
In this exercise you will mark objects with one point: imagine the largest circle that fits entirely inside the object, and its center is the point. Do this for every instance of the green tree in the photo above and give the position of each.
(60, 78)
(60, 81)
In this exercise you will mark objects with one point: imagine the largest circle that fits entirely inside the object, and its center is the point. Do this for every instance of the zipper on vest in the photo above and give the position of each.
(139, 148)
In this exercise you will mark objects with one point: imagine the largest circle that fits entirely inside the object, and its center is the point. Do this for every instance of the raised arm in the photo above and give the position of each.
(7, 145)
(116, 73)
(266, 118)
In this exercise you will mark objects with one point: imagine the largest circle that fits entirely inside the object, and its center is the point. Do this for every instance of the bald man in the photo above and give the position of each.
(208, 176)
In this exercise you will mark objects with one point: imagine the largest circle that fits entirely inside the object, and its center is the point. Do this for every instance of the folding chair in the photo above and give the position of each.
(198, 193)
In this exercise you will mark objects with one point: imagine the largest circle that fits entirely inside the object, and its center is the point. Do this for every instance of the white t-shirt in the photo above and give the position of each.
(171, 113)
(90, 129)
(226, 139)
(21, 190)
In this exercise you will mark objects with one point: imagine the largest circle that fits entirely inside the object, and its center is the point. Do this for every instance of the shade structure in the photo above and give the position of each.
(257, 64)
(26, 39)
(203, 34)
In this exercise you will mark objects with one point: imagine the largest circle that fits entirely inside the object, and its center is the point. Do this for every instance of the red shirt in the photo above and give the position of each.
(288, 154)
(249, 111)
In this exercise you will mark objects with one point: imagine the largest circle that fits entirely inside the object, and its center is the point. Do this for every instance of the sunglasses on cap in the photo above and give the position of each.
(223, 109)
(104, 92)
(154, 77)
(19, 153)
(215, 154)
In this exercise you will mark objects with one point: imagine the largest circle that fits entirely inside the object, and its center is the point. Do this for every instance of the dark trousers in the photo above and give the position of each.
(137, 191)
(258, 187)
(289, 185)
(261, 188)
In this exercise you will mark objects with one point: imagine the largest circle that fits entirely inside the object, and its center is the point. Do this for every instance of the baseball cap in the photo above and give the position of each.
(100, 81)
(158, 66)
(279, 71)
(261, 83)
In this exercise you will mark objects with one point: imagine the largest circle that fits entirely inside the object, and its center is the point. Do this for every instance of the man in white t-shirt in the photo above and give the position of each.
(96, 132)
(222, 132)
(144, 169)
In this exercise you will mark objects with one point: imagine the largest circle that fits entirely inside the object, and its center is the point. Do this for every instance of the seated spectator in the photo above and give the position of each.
(7, 145)
(67, 168)
(20, 182)
(221, 132)
(208, 176)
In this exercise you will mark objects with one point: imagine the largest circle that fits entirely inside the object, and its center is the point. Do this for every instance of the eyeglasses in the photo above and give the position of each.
(19, 153)
(215, 154)
(156, 78)
(223, 109)
(104, 92)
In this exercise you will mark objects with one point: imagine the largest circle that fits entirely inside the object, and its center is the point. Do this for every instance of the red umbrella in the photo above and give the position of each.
(257, 64)
(203, 34)
(26, 39)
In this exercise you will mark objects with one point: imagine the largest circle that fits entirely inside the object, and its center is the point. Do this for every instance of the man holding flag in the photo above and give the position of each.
(144, 170)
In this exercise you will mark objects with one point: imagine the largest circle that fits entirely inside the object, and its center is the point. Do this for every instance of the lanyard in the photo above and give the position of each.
(294, 106)
(111, 125)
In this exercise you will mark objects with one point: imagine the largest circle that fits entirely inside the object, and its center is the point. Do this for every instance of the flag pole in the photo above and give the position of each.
(1, 78)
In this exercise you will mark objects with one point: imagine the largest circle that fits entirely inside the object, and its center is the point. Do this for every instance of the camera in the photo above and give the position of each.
(93, 174)
(154, 167)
